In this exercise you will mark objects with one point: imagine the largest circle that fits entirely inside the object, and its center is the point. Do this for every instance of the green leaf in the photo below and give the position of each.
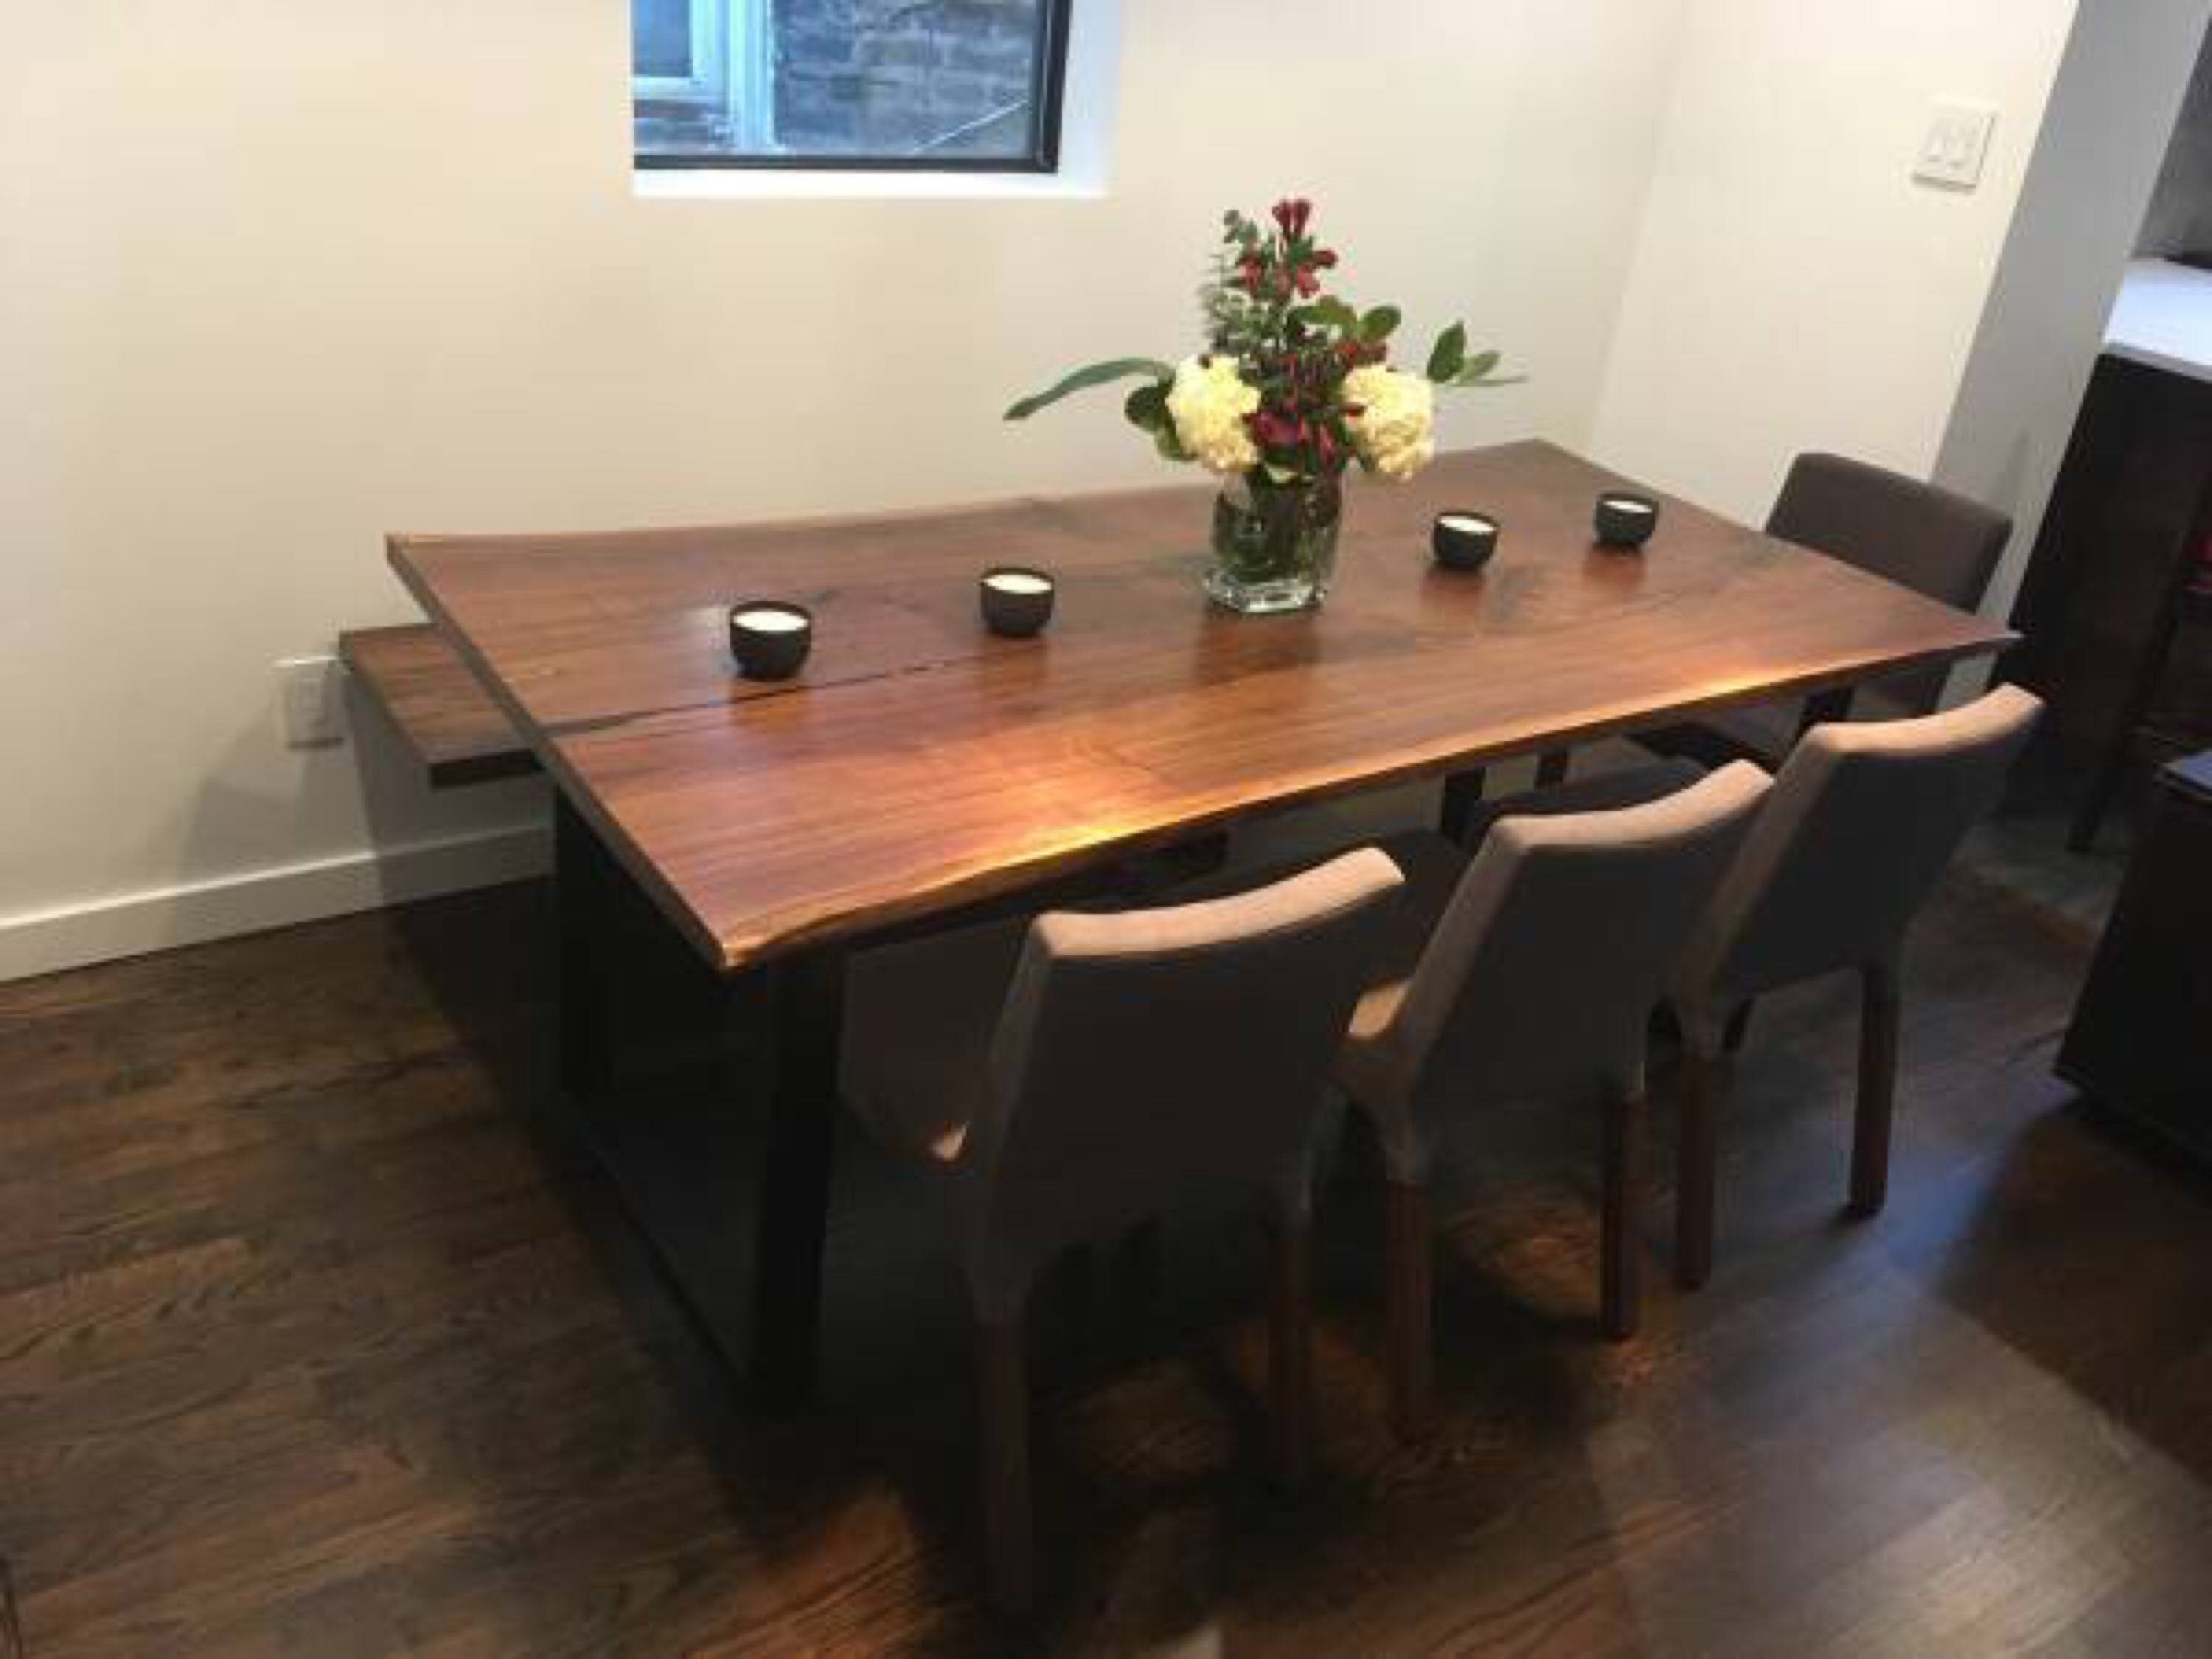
(1147, 410)
(1378, 323)
(1119, 369)
(1482, 372)
(1449, 355)
(1330, 311)
(1147, 406)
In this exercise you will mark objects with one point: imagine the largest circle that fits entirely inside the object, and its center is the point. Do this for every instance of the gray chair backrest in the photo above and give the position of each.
(1145, 1055)
(1861, 825)
(1539, 980)
(1932, 540)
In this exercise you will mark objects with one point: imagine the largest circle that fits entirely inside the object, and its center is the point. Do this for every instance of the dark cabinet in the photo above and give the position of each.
(2141, 1042)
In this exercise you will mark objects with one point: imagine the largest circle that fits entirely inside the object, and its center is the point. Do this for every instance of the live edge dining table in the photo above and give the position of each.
(920, 770)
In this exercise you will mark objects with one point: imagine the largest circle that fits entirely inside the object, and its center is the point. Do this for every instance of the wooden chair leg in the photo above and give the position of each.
(1620, 1296)
(1878, 1024)
(1408, 1262)
(1290, 1360)
(1463, 794)
(1695, 1154)
(1003, 1404)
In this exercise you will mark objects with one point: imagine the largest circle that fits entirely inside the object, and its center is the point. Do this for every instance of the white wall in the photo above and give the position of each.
(2126, 72)
(276, 277)
(1793, 288)
(2179, 216)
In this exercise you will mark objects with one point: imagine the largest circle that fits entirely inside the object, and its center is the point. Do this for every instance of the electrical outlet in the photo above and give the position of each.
(1957, 145)
(312, 693)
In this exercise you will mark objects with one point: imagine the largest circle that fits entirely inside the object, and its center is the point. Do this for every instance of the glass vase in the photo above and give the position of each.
(1274, 545)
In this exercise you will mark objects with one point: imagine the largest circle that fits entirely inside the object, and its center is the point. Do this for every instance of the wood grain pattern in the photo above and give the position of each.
(436, 704)
(922, 763)
(321, 1340)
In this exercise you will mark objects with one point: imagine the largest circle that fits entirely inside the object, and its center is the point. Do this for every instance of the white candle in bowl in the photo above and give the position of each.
(1465, 521)
(766, 621)
(1622, 504)
(1018, 581)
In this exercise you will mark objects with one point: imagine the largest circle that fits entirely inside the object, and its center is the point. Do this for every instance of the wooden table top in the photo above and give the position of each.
(919, 762)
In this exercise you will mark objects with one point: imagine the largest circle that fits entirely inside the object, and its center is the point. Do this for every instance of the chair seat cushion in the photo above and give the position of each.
(1601, 792)
(920, 1018)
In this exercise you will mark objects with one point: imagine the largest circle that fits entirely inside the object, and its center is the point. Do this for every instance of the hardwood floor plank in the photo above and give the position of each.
(317, 1337)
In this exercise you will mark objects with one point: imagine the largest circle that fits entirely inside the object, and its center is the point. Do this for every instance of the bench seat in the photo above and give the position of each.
(446, 720)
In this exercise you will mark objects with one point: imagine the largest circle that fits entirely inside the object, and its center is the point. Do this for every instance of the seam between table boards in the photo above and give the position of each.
(597, 724)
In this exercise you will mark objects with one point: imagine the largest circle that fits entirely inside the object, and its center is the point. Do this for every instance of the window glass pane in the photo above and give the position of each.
(916, 83)
(663, 31)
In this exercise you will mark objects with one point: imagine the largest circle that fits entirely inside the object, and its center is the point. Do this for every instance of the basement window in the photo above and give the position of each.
(879, 86)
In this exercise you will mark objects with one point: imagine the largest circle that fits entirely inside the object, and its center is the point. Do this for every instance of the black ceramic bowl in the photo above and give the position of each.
(1017, 599)
(1463, 540)
(771, 638)
(1625, 519)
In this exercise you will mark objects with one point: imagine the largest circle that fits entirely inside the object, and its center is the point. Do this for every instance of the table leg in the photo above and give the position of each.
(722, 1164)
(794, 1188)
(1824, 708)
(580, 878)
(1462, 800)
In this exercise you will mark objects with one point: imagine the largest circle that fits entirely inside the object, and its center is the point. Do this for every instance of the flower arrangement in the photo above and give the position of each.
(1293, 385)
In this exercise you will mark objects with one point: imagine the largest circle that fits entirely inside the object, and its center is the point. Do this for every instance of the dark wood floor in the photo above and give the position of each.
(317, 1336)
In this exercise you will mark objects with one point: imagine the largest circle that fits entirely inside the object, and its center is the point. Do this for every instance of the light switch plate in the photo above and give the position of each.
(312, 690)
(1957, 145)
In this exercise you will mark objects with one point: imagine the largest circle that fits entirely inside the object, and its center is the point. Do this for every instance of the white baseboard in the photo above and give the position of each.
(73, 936)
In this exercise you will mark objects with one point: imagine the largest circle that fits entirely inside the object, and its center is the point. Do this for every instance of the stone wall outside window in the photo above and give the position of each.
(886, 77)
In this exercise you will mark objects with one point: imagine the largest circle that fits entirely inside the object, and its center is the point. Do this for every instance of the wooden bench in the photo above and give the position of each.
(445, 718)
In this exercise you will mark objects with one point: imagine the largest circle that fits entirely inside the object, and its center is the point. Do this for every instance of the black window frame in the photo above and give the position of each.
(1047, 91)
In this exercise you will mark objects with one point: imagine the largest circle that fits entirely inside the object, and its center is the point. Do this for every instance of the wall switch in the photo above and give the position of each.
(313, 694)
(1957, 142)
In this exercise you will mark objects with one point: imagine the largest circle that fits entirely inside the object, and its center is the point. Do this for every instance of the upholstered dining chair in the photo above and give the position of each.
(1528, 974)
(1862, 822)
(1930, 539)
(1919, 536)
(1072, 1077)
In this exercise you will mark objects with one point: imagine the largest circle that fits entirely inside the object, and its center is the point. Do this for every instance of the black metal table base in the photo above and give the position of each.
(711, 1104)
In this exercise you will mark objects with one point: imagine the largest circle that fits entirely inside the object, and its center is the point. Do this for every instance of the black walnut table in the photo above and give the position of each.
(920, 768)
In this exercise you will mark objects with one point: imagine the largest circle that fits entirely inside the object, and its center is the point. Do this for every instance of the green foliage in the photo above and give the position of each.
(1378, 324)
(1331, 312)
(1449, 355)
(1261, 304)
(1235, 324)
(1481, 370)
(1146, 408)
(1450, 365)
(1119, 368)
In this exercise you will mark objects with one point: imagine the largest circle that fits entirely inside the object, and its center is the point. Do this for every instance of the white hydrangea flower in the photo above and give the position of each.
(1208, 403)
(1395, 431)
